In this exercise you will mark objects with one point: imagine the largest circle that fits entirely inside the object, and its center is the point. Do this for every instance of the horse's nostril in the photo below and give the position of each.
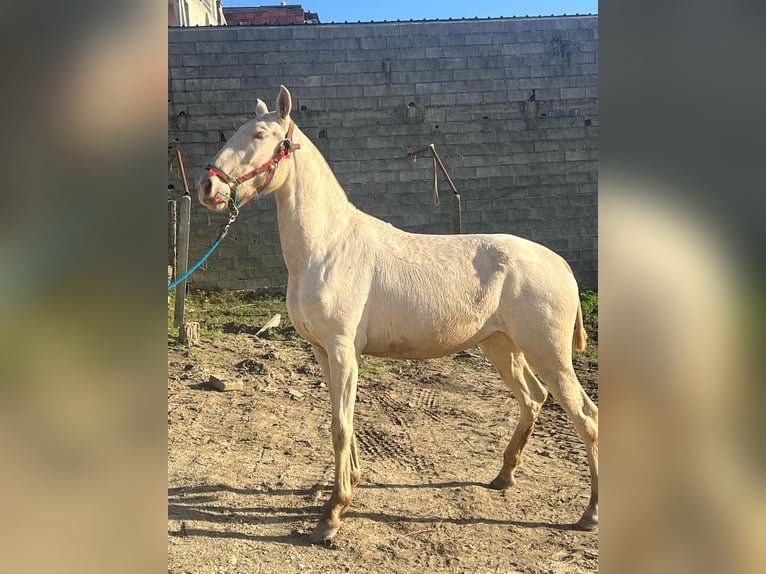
(205, 185)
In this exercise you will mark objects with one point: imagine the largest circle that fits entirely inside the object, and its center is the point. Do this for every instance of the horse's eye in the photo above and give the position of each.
(260, 135)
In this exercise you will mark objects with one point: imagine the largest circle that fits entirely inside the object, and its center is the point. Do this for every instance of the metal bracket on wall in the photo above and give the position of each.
(457, 225)
(177, 157)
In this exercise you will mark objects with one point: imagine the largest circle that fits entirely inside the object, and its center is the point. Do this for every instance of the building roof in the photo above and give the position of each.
(283, 15)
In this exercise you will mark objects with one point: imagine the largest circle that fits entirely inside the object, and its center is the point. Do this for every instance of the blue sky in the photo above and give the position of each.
(366, 10)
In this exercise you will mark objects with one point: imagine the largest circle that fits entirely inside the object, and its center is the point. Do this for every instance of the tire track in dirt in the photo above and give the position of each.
(422, 401)
(380, 445)
(426, 400)
(394, 409)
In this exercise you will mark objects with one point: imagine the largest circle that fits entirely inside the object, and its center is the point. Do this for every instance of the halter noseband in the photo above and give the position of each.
(284, 151)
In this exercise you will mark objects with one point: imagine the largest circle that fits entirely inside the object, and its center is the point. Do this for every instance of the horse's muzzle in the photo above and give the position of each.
(208, 196)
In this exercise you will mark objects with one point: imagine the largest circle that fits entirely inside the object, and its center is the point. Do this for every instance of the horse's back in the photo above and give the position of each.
(432, 295)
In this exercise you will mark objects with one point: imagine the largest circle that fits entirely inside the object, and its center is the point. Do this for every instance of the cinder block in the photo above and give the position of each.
(579, 35)
(482, 38)
(581, 155)
(175, 48)
(566, 23)
(572, 93)
(330, 31)
(250, 58)
(305, 33)
(349, 44)
(399, 41)
(372, 43)
(213, 47)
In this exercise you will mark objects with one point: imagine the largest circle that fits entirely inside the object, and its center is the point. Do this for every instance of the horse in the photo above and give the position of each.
(359, 286)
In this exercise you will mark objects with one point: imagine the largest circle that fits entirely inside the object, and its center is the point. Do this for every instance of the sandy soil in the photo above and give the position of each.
(248, 470)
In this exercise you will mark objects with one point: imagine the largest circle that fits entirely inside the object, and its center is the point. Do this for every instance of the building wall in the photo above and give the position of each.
(194, 13)
(511, 105)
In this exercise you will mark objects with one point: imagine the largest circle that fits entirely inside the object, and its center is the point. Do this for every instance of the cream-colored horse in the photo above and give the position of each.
(358, 286)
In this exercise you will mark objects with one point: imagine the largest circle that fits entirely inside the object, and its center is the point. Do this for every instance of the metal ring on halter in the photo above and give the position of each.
(233, 209)
(233, 213)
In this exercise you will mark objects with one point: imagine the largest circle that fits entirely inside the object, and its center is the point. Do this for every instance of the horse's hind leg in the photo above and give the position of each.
(356, 474)
(530, 394)
(561, 379)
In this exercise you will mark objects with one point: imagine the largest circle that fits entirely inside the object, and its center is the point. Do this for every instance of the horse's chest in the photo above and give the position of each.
(304, 320)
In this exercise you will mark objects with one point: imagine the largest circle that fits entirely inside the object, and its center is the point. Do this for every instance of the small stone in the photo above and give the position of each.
(226, 385)
(270, 324)
(295, 394)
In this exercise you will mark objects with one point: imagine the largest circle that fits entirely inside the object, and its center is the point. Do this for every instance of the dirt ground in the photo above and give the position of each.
(249, 470)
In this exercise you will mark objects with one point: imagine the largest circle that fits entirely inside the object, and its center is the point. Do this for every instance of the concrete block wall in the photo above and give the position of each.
(511, 104)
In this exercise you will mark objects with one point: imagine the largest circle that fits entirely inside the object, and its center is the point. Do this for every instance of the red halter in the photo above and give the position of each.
(284, 151)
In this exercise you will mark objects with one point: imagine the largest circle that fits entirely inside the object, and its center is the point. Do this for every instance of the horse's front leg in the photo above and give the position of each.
(324, 364)
(342, 363)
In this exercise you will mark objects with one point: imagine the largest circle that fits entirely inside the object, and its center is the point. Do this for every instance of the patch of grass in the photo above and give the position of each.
(172, 331)
(372, 368)
(234, 312)
(369, 370)
(589, 301)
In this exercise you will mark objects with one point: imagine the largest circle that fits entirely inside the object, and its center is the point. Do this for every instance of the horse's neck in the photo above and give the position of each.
(312, 208)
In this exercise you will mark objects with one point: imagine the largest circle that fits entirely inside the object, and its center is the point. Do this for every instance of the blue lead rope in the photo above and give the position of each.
(183, 277)
(224, 230)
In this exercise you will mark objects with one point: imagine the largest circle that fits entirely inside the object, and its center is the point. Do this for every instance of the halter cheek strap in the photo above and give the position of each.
(284, 150)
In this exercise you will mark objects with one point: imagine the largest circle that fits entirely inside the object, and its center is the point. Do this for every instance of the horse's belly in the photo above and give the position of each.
(405, 348)
(413, 336)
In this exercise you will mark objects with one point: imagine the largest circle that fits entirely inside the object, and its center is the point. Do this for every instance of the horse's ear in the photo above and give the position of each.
(261, 108)
(284, 103)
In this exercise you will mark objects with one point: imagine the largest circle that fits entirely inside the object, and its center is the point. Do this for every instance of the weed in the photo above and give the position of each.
(589, 301)
(172, 330)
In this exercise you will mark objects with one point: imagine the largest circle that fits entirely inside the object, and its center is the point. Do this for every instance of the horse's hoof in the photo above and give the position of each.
(323, 533)
(589, 520)
(501, 483)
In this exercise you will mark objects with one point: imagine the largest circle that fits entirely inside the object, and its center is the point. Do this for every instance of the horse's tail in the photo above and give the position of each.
(580, 337)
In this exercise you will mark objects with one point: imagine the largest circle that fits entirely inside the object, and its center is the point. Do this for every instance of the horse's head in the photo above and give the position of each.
(248, 163)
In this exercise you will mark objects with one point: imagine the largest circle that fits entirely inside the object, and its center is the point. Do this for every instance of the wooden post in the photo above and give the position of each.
(457, 219)
(188, 334)
(184, 212)
(172, 235)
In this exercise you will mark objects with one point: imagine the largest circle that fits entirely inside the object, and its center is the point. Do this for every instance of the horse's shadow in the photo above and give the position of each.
(193, 503)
